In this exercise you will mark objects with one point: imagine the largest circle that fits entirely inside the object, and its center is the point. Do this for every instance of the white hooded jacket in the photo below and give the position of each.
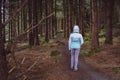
(75, 39)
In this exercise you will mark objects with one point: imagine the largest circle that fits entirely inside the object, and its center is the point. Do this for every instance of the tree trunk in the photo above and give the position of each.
(4, 37)
(35, 21)
(82, 17)
(71, 15)
(40, 14)
(3, 62)
(94, 9)
(46, 27)
(53, 24)
(67, 17)
(55, 19)
(108, 22)
(31, 36)
(64, 5)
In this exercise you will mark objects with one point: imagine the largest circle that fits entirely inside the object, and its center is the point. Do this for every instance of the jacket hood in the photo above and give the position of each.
(76, 28)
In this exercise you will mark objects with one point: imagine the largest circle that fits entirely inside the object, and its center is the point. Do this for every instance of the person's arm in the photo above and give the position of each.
(82, 41)
(69, 42)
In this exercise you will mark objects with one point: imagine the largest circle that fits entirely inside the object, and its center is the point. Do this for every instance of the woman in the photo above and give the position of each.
(75, 42)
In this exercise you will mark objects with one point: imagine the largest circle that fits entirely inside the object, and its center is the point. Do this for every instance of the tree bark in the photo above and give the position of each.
(94, 9)
(3, 62)
(82, 17)
(31, 41)
(35, 21)
(46, 27)
(4, 37)
(108, 22)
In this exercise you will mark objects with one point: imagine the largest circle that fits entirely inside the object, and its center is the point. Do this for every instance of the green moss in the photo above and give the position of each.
(102, 39)
(87, 39)
(117, 70)
(86, 52)
(55, 53)
(42, 39)
(102, 35)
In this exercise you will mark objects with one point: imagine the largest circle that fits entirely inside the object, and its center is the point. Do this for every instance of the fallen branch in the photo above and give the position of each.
(11, 45)
(23, 73)
(11, 69)
(23, 60)
(32, 66)
(25, 77)
(9, 59)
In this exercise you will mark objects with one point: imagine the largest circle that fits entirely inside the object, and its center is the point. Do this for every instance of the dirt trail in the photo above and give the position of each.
(47, 69)
(86, 72)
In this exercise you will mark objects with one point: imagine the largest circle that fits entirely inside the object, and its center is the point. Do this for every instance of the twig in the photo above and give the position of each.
(23, 60)
(9, 59)
(32, 65)
(27, 69)
(11, 69)
(23, 73)
(27, 31)
(25, 77)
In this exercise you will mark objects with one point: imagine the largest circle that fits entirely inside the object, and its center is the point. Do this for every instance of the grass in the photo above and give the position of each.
(86, 52)
(117, 70)
(57, 54)
(89, 52)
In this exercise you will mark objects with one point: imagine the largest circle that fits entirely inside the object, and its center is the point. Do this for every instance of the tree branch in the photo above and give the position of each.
(16, 13)
(31, 28)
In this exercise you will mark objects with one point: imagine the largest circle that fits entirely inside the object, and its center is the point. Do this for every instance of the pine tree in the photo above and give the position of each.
(3, 62)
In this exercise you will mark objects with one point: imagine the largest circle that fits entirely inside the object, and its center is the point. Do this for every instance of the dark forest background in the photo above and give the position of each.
(35, 22)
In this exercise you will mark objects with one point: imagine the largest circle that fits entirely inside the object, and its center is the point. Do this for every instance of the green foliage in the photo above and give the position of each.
(88, 33)
(42, 39)
(60, 33)
(86, 52)
(87, 39)
(96, 50)
(57, 43)
(59, 37)
(60, 43)
(117, 70)
(102, 39)
(59, 14)
(55, 53)
(102, 36)
(102, 32)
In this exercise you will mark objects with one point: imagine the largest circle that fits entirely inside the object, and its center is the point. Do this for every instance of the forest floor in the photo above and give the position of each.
(37, 64)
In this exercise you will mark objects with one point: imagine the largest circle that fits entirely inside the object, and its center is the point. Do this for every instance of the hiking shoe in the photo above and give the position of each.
(75, 69)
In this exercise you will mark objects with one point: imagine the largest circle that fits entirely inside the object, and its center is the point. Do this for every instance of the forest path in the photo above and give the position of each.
(47, 68)
(85, 71)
